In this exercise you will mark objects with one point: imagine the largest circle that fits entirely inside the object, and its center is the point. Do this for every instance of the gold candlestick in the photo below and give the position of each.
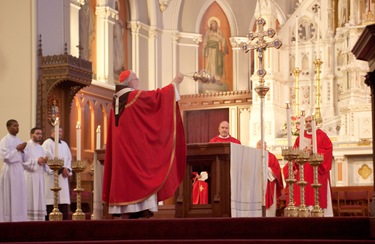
(318, 115)
(55, 164)
(78, 167)
(316, 160)
(290, 154)
(301, 160)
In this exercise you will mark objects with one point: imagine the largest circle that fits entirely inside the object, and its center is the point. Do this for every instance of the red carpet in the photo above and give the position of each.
(210, 230)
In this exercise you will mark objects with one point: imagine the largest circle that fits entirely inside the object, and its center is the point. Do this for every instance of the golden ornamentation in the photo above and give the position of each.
(55, 164)
(365, 171)
(78, 167)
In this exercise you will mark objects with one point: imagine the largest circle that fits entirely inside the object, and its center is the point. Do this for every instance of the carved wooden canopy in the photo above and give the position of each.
(60, 78)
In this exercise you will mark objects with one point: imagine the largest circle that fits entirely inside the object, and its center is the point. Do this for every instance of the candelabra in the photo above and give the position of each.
(78, 167)
(316, 160)
(290, 154)
(302, 158)
(55, 164)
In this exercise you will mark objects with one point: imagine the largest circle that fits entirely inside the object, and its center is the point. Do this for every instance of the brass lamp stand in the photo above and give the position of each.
(78, 167)
(55, 164)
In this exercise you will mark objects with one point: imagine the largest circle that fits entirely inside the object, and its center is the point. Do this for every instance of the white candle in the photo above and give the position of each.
(78, 127)
(289, 124)
(296, 52)
(318, 34)
(57, 130)
(313, 125)
(98, 137)
(301, 129)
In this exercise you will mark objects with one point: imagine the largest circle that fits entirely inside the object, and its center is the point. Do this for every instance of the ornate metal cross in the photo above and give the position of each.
(261, 45)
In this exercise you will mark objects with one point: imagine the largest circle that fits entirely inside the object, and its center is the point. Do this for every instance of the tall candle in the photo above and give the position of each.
(313, 125)
(289, 124)
(296, 34)
(318, 34)
(78, 127)
(57, 130)
(98, 137)
(301, 129)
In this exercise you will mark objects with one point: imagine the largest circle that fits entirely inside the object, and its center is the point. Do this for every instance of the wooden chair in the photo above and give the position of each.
(338, 199)
(355, 203)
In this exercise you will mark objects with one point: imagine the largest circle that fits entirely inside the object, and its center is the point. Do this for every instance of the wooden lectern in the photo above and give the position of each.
(215, 159)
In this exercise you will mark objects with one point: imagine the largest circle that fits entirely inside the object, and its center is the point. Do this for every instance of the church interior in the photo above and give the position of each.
(61, 58)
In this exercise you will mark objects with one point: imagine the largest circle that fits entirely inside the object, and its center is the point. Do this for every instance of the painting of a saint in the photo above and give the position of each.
(215, 48)
(54, 111)
(215, 51)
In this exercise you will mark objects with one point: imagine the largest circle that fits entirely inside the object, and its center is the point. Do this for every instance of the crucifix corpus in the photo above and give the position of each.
(262, 42)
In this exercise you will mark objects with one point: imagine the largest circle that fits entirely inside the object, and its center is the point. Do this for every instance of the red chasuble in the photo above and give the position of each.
(228, 139)
(324, 147)
(273, 163)
(146, 152)
(200, 192)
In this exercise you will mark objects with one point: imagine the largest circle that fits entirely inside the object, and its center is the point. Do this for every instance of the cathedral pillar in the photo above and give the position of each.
(152, 57)
(105, 19)
(135, 28)
(74, 28)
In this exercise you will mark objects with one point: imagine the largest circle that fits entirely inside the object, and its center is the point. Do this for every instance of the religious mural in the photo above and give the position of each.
(215, 50)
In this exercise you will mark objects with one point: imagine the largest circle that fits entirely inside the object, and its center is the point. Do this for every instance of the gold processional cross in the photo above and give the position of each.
(260, 46)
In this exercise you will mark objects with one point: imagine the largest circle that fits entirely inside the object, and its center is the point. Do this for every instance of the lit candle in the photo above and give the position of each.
(57, 129)
(289, 124)
(296, 52)
(78, 127)
(98, 137)
(301, 129)
(313, 125)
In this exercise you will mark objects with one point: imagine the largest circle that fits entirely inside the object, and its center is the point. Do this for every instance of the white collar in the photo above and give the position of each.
(117, 96)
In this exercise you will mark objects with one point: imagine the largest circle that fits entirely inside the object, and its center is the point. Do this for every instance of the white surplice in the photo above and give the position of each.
(13, 198)
(64, 153)
(34, 175)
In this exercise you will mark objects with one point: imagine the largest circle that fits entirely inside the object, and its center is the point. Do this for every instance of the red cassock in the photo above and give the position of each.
(273, 163)
(200, 192)
(228, 139)
(146, 152)
(324, 147)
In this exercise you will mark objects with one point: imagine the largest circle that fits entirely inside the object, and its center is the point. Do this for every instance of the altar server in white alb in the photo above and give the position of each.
(66, 171)
(13, 198)
(35, 166)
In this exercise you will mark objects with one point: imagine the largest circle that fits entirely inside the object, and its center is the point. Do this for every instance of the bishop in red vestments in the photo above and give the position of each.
(146, 149)
(324, 147)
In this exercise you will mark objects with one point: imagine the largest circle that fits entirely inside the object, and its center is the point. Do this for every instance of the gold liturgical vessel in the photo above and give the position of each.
(316, 160)
(55, 164)
(78, 167)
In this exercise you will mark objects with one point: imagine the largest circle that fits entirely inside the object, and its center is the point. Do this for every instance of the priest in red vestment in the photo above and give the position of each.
(224, 134)
(324, 147)
(274, 182)
(146, 149)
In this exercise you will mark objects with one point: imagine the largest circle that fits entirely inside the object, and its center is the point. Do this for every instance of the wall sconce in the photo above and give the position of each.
(163, 4)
